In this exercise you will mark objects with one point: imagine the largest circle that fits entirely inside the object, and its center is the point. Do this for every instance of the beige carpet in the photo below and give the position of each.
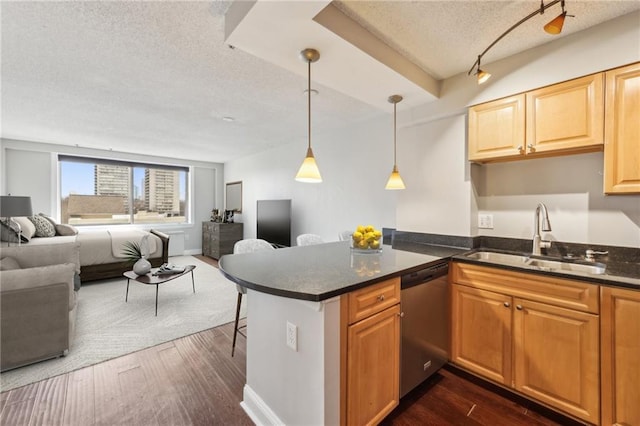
(107, 327)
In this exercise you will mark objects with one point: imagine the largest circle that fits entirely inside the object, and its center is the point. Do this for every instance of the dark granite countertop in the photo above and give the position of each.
(622, 263)
(323, 271)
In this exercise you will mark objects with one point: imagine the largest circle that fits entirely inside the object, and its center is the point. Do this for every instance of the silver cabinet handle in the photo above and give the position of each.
(381, 297)
(520, 148)
(507, 304)
(519, 307)
(531, 147)
(401, 314)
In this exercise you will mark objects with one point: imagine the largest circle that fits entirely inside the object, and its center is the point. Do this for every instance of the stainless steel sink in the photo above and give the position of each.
(542, 264)
(490, 256)
(552, 265)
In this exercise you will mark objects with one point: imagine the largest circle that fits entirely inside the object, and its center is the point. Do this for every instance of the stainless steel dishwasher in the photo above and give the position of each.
(424, 303)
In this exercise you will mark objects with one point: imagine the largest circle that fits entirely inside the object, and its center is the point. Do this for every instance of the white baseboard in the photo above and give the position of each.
(192, 252)
(257, 409)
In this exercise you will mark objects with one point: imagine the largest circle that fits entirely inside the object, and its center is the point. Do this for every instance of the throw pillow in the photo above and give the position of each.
(27, 227)
(49, 218)
(9, 232)
(8, 264)
(44, 228)
(65, 230)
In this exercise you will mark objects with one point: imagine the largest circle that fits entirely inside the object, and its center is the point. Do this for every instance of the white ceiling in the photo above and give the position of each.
(158, 77)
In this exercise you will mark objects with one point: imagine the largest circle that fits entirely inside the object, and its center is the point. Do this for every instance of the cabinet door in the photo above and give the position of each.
(373, 367)
(622, 131)
(566, 116)
(556, 357)
(496, 129)
(620, 333)
(481, 327)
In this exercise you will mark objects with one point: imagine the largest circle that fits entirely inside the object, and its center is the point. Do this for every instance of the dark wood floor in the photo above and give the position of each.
(195, 381)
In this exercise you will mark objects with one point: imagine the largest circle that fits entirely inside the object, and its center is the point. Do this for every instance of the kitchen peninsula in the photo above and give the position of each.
(304, 288)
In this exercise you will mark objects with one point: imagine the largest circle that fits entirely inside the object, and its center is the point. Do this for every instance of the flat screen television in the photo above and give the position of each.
(274, 221)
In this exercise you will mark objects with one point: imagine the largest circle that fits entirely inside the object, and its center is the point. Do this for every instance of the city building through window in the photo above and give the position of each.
(105, 192)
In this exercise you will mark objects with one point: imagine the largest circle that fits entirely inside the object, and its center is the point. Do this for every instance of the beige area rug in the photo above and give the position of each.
(107, 327)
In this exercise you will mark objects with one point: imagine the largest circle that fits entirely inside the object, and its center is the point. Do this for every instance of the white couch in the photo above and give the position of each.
(38, 302)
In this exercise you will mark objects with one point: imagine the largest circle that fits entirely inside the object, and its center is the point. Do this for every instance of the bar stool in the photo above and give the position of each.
(245, 246)
(308, 239)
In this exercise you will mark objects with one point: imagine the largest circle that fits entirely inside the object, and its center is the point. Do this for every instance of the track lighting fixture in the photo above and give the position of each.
(309, 171)
(553, 27)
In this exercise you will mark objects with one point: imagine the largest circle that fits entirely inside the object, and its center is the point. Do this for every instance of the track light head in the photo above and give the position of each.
(555, 26)
(483, 76)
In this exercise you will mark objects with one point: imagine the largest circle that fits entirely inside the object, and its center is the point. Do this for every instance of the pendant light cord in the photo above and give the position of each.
(309, 101)
(394, 136)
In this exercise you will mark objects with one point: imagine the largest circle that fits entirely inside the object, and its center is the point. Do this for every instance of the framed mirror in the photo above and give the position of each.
(234, 196)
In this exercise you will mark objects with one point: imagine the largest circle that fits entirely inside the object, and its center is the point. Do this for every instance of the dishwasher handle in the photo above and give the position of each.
(423, 275)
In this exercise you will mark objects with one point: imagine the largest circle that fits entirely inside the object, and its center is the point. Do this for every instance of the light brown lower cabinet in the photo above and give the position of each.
(556, 357)
(370, 353)
(536, 334)
(620, 359)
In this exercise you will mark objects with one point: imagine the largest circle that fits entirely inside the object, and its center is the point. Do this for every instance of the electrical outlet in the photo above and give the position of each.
(485, 221)
(292, 336)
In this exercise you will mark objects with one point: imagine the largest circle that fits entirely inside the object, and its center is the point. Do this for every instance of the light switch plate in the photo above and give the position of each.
(292, 336)
(485, 221)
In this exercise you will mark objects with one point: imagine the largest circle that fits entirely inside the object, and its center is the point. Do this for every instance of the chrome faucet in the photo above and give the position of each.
(538, 242)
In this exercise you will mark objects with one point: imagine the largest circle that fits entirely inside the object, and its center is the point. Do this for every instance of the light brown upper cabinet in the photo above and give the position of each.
(560, 119)
(496, 129)
(566, 116)
(622, 131)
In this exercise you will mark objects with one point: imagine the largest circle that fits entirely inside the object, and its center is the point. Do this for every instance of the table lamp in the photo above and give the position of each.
(14, 206)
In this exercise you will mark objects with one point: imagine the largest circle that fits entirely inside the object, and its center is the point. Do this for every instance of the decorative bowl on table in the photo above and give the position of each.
(366, 239)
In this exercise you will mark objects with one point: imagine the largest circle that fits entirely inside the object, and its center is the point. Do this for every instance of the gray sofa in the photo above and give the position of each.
(38, 302)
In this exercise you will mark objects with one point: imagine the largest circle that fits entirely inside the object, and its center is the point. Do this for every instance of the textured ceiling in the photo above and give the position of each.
(445, 37)
(158, 77)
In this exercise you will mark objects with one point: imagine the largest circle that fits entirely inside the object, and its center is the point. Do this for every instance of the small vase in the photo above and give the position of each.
(142, 266)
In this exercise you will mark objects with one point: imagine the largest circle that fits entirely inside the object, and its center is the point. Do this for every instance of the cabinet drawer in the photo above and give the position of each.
(373, 299)
(555, 291)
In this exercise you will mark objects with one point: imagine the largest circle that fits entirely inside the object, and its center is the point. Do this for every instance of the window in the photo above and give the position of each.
(106, 192)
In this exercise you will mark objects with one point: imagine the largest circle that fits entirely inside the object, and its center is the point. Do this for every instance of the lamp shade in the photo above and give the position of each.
(12, 206)
(395, 180)
(555, 26)
(309, 172)
(483, 76)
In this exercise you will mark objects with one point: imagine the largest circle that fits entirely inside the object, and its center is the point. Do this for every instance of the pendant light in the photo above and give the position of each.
(395, 181)
(309, 171)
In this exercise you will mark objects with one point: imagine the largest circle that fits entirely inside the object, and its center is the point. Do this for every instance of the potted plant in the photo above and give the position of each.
(137, 253)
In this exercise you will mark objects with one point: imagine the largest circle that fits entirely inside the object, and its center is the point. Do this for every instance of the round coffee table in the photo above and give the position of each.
(156, 280)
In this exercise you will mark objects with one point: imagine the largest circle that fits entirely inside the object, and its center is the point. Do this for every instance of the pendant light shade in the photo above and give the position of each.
(309, 172)
(395, 180)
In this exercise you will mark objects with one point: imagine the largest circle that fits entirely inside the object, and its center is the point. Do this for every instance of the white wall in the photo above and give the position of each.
(444, 193)
(275, 372)
(30, 168)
